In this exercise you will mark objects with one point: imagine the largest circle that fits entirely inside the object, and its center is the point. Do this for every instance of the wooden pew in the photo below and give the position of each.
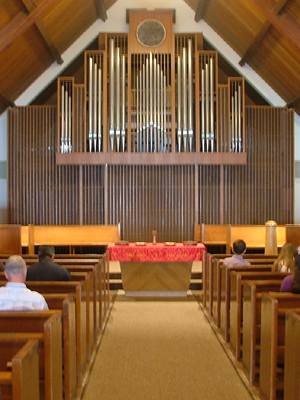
(49, 325)
(236, 296)
(227, 234)
(88, 277)
(66, 304)
(207, 234)
(254, 236)
(71, 235)
(79, 289)
(252, 294)
(217, 285)
(292, 356)
(208, 270)
(224, 294)
(22, 381)
(273, 309)
(101, 262)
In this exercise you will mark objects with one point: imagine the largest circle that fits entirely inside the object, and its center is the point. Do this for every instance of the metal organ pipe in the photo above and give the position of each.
(179, 103)
(239, 119)
(66, 121)
(151, 102)
(62, 134)
(202, 109)
(190, 95)
(184, 99)
(95, 105)
(99, 109)
(211, 105)
(111, 94)
(154, 106)
(90, 127)
(69, 144)
(207, 106)
(117, 102)
(123, 102)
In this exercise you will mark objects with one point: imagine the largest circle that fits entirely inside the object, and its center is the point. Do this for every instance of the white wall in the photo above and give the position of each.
(116, 22)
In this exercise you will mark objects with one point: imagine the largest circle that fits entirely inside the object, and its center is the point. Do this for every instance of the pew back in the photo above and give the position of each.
(252, 294)
(71, 235)
(273, 309)
(292, 356)
(22, 382)
(49, 323)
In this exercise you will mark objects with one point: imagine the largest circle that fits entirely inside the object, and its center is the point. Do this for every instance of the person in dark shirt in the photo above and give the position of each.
(46, 269)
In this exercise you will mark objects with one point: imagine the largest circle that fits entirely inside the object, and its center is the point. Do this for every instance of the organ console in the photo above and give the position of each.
(151, 97)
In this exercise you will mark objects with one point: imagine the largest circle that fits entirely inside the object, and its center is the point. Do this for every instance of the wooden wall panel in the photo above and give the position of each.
(145, 198)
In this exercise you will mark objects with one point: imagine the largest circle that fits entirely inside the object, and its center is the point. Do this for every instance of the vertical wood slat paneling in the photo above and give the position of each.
(144, 198)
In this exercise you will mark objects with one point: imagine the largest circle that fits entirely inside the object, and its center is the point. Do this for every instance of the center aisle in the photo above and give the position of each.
(161, 350)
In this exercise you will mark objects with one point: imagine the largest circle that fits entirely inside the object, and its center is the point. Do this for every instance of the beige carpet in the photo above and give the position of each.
(161, 350)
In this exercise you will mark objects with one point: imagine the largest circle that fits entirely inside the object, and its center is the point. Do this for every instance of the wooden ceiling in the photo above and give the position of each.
(35, 33)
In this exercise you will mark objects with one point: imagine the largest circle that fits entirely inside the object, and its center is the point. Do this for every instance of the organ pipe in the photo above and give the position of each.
(152, 102)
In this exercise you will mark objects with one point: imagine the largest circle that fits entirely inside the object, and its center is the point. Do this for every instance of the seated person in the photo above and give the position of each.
(285, 261)
(238, 249)
(15, 296)
(46, 269)
(291, 283)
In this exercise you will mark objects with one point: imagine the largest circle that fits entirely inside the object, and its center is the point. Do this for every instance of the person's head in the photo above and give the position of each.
(15, 269)
(46, 251)
(288, 251)
(239, 247)
(286, 258)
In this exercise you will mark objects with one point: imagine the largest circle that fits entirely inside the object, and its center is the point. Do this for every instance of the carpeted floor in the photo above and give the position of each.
(161, 350)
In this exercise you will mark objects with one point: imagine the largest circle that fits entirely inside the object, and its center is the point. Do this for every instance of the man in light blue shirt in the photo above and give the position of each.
(15, 296)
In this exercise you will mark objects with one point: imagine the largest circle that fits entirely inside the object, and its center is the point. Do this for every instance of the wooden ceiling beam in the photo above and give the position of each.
(21, 22)
(291, 103)
(283, 22)
(277, 8)
(30, 6)
(201, 10)
(6, 101)
(101, 10)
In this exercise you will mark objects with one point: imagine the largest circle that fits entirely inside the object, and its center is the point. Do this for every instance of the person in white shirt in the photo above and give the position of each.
(15, 296)
(239, 249)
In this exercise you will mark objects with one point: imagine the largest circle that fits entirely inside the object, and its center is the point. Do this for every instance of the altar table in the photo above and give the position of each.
(159, 270)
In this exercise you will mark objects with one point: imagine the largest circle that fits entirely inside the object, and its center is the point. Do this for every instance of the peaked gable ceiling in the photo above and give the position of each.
(264, 33)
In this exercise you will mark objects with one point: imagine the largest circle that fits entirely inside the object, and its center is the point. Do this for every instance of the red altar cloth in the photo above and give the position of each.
(159, 252)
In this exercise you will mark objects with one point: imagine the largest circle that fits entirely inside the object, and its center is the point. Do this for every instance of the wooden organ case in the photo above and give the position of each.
(151, 96)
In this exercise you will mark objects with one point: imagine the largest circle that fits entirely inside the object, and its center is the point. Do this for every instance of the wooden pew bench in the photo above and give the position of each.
(236, 310)
(273, 309)
(71, 235)
(49, 325)
(88, 278)
(292, 356)
(224, 294)
(208, 270)
(254, 236)
(79, 289)
(217, 284)
(19, 369)
(101, 262)
(66, 304)
(252, 295)
(227, 234)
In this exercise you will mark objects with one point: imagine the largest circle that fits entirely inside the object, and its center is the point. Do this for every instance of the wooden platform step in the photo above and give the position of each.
(116, 281)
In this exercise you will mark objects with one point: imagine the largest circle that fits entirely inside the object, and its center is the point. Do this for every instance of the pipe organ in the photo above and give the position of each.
(152, 97)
